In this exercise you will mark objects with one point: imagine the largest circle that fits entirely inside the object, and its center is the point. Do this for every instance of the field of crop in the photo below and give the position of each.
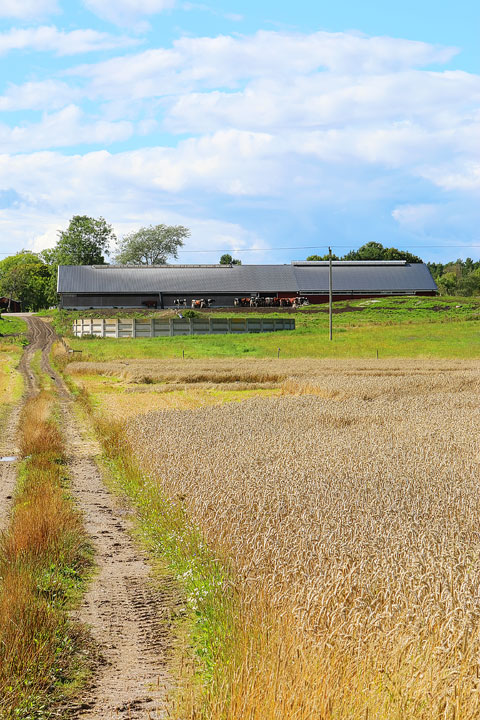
(344, 497)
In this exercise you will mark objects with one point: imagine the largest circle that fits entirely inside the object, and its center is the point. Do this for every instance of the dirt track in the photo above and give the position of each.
(39, 336)
(127, 614)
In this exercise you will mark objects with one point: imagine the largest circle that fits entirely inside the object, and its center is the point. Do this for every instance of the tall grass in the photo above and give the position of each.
(43, 560)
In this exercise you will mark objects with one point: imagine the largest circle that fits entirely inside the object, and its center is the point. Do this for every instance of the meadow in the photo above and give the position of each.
(395, 327)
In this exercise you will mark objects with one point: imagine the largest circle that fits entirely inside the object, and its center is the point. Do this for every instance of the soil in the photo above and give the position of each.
(129, 616)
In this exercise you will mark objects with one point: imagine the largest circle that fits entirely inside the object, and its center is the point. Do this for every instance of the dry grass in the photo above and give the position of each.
(42, 555)
(349, 508)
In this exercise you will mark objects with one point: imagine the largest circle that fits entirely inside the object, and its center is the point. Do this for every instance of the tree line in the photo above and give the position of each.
(458, 277)
(31, 278)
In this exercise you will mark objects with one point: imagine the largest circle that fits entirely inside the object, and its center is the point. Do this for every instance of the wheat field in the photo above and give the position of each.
(345, 497)
(349, 507)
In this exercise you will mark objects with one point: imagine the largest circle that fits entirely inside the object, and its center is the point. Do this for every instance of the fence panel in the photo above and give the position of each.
(147, 328)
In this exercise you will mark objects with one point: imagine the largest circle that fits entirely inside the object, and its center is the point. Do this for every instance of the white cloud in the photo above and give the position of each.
(416, 217)
(279, 120)
(329, 100)
(463, 176)
(43, 95)
(49, 39)
(62, 129)
(226, 61)
(26, 9)
(122, 12)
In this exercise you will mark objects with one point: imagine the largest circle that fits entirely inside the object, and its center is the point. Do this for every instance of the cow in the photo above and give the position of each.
(180, 302)
(202, 303)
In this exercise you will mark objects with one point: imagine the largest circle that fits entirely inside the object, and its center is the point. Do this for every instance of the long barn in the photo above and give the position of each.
(114, 286)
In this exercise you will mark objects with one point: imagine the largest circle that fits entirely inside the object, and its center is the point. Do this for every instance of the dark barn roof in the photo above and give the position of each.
(302, 277)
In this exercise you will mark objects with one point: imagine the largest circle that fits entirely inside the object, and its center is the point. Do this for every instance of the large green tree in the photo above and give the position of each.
(84, 242)
(25, 277)
(151, 245)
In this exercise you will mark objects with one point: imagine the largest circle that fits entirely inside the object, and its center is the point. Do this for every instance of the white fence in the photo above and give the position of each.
(158, 327)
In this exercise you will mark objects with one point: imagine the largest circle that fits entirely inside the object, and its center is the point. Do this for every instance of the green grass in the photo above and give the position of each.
(11, 327)
(396, 327)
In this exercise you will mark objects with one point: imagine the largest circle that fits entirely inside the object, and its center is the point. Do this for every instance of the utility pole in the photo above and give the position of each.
(329, 293)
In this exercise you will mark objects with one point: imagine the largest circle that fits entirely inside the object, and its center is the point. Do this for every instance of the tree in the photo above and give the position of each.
(25, 277)
(447, 283)
(227, 259)
(84, 242)
(151, 245)
(318, 258)
(469, 284)
(375, 251)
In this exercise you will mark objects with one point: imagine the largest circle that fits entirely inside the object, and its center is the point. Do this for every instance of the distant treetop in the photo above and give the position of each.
(227, 259)
(372, 251)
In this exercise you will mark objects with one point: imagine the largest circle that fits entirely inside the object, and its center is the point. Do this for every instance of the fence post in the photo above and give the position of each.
(103, 327)
(134, 327)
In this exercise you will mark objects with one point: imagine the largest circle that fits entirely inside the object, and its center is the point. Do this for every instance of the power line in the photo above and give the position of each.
(317, 247)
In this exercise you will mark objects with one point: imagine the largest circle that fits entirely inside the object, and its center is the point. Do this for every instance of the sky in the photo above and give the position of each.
(271, 129)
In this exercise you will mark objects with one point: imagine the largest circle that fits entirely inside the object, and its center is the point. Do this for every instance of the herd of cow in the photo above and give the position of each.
(252, 301)
(259, 301)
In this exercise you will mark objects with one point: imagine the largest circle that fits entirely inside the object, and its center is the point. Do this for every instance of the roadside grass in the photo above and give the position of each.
(44, 561)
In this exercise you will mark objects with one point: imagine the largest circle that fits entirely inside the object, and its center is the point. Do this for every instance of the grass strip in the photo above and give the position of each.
(44, 560)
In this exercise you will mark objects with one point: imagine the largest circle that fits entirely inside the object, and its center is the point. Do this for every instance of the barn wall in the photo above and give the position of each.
(74, 301)
(71, 301)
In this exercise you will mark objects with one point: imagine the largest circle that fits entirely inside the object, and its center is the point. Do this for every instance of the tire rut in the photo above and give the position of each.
(128, 615)
(8, 445)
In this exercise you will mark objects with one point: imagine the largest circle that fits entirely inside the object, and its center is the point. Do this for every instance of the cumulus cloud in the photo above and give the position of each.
(331, 120)
(42, 95)
(226, 61)
(68, 127)
(50, 39)
(123, 12)
(27, 9)
(416, 217)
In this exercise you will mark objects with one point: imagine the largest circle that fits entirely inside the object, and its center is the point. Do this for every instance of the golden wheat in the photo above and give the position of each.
(352, 503)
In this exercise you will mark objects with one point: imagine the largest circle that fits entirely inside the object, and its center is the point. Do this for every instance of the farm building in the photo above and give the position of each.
(113, 286)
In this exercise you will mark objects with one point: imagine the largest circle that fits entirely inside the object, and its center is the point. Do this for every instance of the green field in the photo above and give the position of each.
(11, 326)
(396, 327)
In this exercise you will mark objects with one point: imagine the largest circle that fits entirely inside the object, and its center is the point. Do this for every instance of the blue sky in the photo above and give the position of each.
(270, 129)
